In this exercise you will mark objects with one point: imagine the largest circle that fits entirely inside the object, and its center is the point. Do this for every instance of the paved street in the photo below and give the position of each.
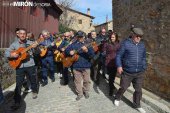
(55, 98)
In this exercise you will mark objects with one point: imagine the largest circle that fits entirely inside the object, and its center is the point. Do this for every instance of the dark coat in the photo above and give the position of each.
(111, 51)
(131, 56)
(84, 58)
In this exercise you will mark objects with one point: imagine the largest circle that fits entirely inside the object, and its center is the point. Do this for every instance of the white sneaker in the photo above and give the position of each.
(30, 90)
(141, 110)
(60, 75)
(116, 102)
(56, 74)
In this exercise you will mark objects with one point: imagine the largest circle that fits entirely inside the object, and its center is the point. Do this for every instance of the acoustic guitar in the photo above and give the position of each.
(57, 53)
(95, 46)
(44, 49)
(16, 62)
(60, 56)
(68, 61)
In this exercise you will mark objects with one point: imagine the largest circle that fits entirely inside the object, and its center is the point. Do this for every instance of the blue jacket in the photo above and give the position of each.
(131, 57)
(47, 42)
(84, 58)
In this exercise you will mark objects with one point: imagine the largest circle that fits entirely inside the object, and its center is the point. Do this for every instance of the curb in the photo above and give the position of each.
(157, 103)
(9, 92)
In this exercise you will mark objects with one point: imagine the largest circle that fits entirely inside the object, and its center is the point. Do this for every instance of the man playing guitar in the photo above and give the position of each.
(81, 67)
(47, 59)
(27, 66)
(65, 43)
(95, 44)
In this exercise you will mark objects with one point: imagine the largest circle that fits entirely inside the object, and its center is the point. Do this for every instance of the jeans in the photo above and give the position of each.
(112, 74)
(20, 75)
(101, 65)
(65, 75)
(45, 61)
(59, 67)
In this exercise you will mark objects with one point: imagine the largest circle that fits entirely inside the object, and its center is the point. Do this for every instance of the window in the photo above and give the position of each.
(91, 22)
(80, 21)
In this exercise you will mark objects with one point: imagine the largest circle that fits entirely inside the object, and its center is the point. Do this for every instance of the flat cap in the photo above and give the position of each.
(137, 31)
(80, 34)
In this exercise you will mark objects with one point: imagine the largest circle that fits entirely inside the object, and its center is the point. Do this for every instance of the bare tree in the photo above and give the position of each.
(65, 19)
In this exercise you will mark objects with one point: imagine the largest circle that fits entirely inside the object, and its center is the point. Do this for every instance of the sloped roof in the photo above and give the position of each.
(55, 6)
(103, 23)
(60, 6)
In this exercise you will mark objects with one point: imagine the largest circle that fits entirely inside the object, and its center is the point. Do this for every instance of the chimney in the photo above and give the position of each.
(88, 11)
(106, 18)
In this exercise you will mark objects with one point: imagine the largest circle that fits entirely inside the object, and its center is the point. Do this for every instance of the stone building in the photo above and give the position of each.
(153, 16)
(77, 20)
(107, 25)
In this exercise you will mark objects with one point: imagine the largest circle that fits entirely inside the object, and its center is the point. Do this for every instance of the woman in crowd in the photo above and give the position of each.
(111, 48)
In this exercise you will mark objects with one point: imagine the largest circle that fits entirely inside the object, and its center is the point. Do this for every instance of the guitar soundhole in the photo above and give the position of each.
(19, 54)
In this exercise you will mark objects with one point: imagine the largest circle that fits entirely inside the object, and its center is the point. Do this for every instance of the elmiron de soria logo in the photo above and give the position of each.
(25, 4)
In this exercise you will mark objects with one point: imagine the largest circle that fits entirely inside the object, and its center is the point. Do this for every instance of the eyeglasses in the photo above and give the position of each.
(138, 36)
(45, 35)
(67, 36)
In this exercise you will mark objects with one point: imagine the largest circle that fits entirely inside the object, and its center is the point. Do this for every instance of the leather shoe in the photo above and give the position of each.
(53, 80)
(79, 97)
(44, 84)
(86, 95)
(34, 95)
(15, 106)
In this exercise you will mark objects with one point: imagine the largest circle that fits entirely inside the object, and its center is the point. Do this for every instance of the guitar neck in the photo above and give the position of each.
(88, 45)
(72, 41)
(26, 49)
(29, 47)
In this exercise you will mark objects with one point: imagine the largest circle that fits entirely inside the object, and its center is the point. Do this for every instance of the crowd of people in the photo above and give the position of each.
(82, 55)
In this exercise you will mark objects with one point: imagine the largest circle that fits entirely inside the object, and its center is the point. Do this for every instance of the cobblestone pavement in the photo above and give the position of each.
(55, 98)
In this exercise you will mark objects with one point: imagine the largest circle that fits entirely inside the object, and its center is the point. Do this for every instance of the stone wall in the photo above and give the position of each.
(7, 75)
(71, 19)
(107, 25)
(153, 16)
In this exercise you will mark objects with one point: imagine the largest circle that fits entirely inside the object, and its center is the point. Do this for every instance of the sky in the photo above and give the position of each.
(98, 8)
